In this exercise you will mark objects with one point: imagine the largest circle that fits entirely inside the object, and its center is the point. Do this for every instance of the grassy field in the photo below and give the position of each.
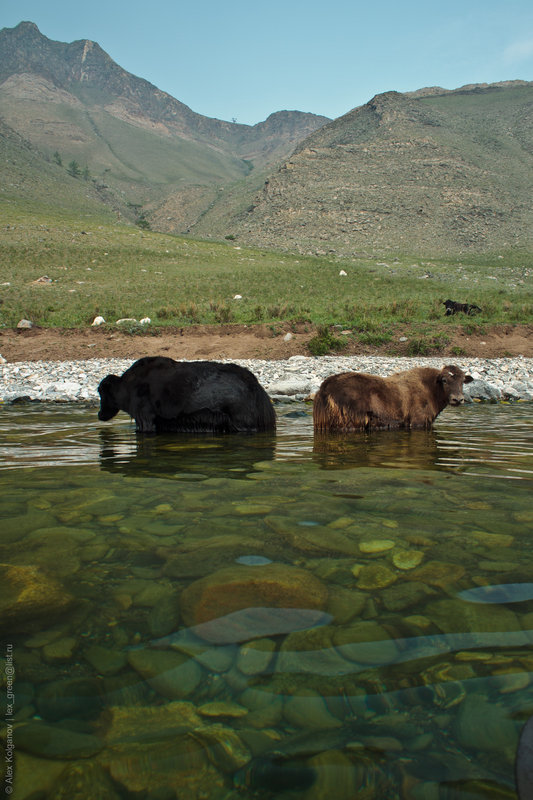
(116, 270)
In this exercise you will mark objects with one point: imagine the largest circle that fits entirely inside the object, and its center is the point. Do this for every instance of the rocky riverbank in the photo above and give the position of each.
(497, 379)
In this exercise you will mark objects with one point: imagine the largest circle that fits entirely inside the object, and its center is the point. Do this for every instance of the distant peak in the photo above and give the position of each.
(27, 27)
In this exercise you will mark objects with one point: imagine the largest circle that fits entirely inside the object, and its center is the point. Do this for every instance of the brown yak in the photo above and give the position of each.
(356, 401)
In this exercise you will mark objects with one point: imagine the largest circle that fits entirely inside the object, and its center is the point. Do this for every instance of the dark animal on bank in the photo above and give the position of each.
(356, 401)
(467, 308)
(161, 394)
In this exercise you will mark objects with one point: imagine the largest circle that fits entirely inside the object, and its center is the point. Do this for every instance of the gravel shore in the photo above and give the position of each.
(495, 379)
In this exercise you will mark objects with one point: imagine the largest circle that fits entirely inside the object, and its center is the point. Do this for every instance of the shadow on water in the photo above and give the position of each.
(396, 449)
(189, 457)
(274, 616)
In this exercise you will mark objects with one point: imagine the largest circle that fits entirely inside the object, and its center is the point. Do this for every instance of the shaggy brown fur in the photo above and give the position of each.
(356, 401)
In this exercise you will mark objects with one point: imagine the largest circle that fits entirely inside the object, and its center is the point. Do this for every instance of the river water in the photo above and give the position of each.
(267, 616)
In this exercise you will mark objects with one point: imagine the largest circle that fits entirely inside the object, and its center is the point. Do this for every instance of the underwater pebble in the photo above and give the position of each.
(256, 657)
(486, 726)
(493, 539)
(222, 709)
(52, 741)
(104, 660)
(253, 561)
(172, 675)
(407, 559)
(376, 546)
(307, 710)
(60, 650)
(508, 682)
(375, 576)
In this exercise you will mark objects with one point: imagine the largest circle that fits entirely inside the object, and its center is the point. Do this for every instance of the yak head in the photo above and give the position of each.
(452, 380)
(109, 403)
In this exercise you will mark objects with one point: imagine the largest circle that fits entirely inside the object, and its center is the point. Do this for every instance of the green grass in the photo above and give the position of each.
(116, 270)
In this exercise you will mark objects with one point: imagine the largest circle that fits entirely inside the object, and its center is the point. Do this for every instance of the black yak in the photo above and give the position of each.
(161, 394)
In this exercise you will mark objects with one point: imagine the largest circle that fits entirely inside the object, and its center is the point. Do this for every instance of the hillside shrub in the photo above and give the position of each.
(325, 342)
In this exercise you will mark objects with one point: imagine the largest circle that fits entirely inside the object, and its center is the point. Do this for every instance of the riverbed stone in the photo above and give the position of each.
(70, 698)
(308, 709)
(407, 559)
(172, 674)
(365, 642)
(51, 741)
(34, 777)
(28, 594)
(345, 604)
(165, 616)
(85, 780)
(405, 595)
(376, 545)
(451, 615)
(59, 650)
(156, 748)
(442, 574)
(375, 576)
(105, 660)
(311, 652)
(242, 587)
(222, 708)
(486, 726)
(265, 708)
(493, 539)
(338, 777)
(256, 657)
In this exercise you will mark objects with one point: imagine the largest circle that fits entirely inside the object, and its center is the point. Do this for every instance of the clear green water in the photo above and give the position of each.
(358, 649)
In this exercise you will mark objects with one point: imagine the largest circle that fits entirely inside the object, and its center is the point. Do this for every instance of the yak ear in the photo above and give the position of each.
(468, 379)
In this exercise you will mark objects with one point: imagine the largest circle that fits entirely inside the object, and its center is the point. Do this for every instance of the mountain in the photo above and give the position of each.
(74, 100)
(428, 172)
(431, 172)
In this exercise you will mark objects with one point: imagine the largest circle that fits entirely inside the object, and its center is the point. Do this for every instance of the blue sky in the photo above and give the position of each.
(244, 60)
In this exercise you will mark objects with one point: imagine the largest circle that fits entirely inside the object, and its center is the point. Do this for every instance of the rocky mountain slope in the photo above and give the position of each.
(431, 172)
(74, 100)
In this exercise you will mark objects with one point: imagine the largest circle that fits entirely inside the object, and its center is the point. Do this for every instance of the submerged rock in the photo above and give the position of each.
(51, 741)
(365, 642)
(241, 587)
(69, 698)
(452, 615)
(375, 576)
(84, 781)
(155, 749)
(485, 725)
(256, 657)
(27, 594)
(308, 709)
(171, 674)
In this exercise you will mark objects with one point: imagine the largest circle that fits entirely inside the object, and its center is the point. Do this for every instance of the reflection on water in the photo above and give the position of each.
(267, 616)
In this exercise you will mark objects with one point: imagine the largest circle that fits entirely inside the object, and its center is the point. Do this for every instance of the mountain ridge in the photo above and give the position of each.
(431, 171)
(438, 171)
